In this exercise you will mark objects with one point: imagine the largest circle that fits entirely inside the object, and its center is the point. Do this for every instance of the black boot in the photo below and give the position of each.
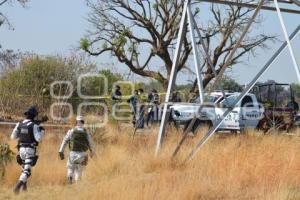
(18, 187)
(25, 187)
(70, 179)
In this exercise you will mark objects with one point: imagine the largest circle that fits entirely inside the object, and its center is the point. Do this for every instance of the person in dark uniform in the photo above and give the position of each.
(28, 134)
(153, 99)
(133, 100)
(142, 99)
(117, 94)
(176, 97)
(293, 105)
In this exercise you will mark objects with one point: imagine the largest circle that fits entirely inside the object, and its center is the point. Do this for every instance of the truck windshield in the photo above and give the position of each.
(209, 99)
(212, 99)
(229, 102)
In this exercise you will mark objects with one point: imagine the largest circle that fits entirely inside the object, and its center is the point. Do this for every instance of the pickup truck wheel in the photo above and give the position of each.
(235, 132)
(243, 130)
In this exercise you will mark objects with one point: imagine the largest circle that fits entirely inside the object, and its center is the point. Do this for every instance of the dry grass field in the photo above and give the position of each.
(248, 166)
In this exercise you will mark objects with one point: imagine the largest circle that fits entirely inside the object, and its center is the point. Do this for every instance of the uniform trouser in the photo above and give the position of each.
(152, 114)
(140, 120)
(75, 164)
(27, 155)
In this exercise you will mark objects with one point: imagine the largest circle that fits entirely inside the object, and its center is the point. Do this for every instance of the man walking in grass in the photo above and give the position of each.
(79, 143)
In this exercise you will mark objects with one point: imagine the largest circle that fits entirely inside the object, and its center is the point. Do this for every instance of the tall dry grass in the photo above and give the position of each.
(249, 166)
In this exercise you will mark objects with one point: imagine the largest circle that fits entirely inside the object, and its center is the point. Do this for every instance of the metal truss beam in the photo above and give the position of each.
(166, 113)
(248, 5)
(286, 36)
(227, 63)
(296, 2)
(196, 54)
(246, 90)
(187, 17)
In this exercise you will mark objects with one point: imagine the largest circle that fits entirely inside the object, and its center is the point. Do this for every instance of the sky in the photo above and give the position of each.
(56, 26)
(45, 26)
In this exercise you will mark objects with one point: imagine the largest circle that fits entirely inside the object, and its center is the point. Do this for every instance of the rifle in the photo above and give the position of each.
(42, 120)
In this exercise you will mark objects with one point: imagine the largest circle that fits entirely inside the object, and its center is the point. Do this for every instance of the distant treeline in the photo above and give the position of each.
(28, 82)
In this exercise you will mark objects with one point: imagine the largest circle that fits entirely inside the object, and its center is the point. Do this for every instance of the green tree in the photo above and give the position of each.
(231, 85)
(154, 84)
(95, 86)
(296, 89)
(29, 83)
(111, 77)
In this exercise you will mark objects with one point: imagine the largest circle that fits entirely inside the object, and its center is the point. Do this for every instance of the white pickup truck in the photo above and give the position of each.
(246, 113)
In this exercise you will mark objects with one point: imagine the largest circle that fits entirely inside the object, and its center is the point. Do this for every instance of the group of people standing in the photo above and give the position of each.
(145, 107)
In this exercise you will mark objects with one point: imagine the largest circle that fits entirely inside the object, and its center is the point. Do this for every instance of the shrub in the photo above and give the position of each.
(6, 156)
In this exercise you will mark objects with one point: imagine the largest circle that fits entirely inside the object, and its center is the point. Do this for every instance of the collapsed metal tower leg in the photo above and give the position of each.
(166, 114)
(295, 64)
(227, 63)
(246, 90)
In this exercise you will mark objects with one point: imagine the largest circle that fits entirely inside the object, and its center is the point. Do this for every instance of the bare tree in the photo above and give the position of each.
(3, 17)
(127, 29)
(8, 60)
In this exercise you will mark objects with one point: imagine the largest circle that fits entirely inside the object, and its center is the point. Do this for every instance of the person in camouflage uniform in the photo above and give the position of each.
(29, 134)
(79, 143)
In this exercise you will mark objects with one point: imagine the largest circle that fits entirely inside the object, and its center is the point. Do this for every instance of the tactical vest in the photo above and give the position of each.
(79, 140)
(26, 135)
(155, 99)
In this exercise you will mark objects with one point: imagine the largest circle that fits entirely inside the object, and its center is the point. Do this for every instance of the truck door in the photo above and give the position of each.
(231, 122)
(250, 112)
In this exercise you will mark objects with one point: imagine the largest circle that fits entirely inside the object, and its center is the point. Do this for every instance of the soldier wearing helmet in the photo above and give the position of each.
(79, 143)
(29, 134)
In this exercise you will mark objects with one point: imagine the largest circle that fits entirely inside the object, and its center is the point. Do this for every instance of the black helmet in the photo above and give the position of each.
(154, 90)
(31, 112)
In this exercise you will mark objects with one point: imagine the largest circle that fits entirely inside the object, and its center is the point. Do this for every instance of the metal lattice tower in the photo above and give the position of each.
(188, 19)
